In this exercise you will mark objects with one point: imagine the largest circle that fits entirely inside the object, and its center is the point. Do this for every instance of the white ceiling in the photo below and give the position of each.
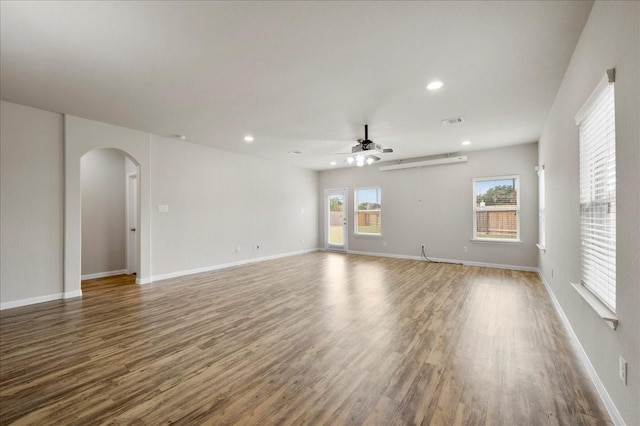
(299, 76)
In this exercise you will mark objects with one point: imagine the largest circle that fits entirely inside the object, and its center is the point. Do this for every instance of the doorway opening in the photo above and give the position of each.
(109, 214)
(336, 219)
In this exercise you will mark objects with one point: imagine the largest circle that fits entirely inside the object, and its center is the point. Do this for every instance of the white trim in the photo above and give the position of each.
(356, 211)
(582, 354)
(39, 299)
(500, 266)
(601, 309)
(498, 241)
(437, 259)
(476, 209)
(30, 301)
(541, 247)
(104, 274)
(142, 281)
(327, 217)
(176, 274)
(394, 256)
(72, 294)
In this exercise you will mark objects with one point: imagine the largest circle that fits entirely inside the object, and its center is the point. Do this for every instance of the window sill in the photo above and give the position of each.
(368, 235)
(541, 247)
(601, 309)
(496, 241)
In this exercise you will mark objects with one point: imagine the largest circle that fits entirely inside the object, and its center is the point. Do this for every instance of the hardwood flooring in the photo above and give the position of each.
(321, 338)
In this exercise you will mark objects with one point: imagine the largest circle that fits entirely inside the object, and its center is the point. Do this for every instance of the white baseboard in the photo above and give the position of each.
(30, 301)
(177, 274)
(437, 259)
(143, 281)
(582, 354)
(104, 274)
(40, 299)
(72, 294)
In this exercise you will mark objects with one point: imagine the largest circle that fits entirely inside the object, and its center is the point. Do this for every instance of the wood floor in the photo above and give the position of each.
(321, 338)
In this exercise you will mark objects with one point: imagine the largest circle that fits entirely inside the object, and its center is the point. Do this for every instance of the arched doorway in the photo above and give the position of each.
(109, 205)
(82, 136)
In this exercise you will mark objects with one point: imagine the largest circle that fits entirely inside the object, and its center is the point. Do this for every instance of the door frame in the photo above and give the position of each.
(327, 215)
(132, 206)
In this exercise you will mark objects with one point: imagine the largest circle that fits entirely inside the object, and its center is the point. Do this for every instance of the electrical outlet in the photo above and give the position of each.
(238, 249)
(464, 249)
(622, 366)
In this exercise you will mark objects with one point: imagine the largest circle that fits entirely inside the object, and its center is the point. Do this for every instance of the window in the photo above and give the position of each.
(368, 215)
(598, 193)
(541, 195)
(496, 205)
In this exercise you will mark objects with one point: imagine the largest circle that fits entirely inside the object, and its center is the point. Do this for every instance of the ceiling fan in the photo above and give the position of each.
(364, 150)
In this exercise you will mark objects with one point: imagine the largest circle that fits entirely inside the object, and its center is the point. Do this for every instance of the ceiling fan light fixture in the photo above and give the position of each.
(349, 160)
(370, 161)
(360, 163)
(435, 85)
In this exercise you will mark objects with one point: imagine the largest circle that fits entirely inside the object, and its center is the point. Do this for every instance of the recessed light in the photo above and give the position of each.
(466, 142)
(333, 163)
(248, 138)
(435, 85)
(295, 152)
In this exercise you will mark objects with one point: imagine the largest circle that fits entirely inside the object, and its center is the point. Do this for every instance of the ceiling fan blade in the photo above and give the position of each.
(387, 150)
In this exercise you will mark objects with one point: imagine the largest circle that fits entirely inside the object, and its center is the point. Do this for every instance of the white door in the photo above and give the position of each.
(336, 219)
(132, 224)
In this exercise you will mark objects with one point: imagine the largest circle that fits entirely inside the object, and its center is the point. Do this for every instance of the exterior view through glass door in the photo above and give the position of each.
(336, 219)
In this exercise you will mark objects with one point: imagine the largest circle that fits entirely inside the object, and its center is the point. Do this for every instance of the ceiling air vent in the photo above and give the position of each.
(452, 121)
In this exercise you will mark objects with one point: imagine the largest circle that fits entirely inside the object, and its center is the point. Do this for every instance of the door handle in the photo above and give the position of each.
(132, 229)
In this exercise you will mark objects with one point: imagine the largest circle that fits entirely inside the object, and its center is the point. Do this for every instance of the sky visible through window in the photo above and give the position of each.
(483, 186)
(369, 195)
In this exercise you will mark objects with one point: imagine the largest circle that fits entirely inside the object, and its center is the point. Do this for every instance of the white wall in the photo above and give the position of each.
(83, 136)
(433, 206)
(103, 211)
(611, 38)
(219, 201)
(31, 208)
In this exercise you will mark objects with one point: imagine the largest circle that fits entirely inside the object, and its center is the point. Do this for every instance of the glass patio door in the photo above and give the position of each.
(336, 219)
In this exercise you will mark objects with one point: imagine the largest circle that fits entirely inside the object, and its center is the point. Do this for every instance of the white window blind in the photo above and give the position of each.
(541, 207)
(598, 193)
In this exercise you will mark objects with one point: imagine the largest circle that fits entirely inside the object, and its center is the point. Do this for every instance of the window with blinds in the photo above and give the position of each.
(541, 202)
(596, 120)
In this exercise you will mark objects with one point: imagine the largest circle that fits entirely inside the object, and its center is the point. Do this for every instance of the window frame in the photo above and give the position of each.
(477, 209)
(598, 283)
(542, 226)
(356, 211)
